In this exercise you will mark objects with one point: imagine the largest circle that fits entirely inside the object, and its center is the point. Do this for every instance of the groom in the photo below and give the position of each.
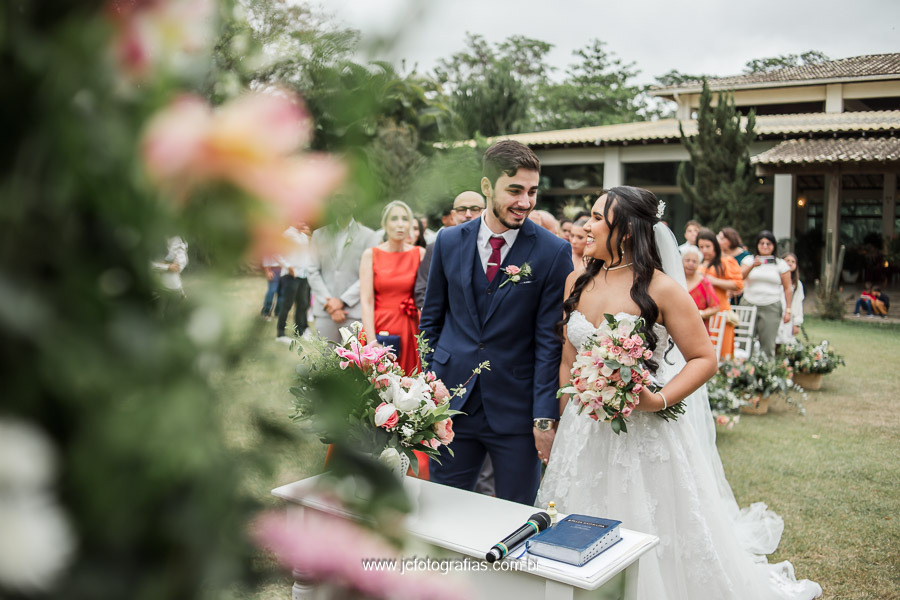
(476, 309)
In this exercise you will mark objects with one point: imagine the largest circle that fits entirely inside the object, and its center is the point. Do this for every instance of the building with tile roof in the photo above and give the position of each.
(825, 153)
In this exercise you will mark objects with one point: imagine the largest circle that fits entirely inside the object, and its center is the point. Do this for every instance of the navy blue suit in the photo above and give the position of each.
(468, 320)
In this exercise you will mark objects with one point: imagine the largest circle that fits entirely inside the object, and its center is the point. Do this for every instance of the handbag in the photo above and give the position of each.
(386, 339)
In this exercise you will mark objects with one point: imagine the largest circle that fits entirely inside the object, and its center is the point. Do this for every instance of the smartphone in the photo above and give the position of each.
(766, 260)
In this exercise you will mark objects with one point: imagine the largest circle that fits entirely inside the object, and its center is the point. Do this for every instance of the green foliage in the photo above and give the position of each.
(830, 302)
(722, 188)
(784, 61)
(674, 77)
(595, 91)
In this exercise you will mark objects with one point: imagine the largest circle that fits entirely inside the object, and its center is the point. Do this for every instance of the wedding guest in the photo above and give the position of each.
(417, 232)
(427, 232)
(766, 282)
(387, 276)
(865, 301)
(788, 331)
(447, 219)
(272, 269)
(732, 245)
(467, 206)
(881, 304)
(565, 229)
(578, 239)
(698, 285)
(294, 283)
(545, 220)
(334, 272)
(690, 235)
(724, 274)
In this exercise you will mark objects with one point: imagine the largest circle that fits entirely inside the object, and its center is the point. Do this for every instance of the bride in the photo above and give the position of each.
(659, 476)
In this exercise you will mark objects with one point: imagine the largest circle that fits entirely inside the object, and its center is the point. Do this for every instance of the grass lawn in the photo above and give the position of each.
(833, 475)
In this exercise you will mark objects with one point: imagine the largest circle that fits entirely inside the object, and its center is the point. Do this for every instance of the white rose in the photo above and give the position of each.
(390, 458)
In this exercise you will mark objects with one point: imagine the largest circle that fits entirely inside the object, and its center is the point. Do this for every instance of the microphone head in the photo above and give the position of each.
(542, 519)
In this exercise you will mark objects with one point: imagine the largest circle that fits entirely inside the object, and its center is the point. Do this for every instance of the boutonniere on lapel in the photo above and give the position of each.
(516, 274)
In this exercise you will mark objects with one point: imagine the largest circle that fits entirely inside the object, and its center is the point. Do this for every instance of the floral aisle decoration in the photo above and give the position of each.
(356, 394)
(725, 403)
(610, 372)
(810, 362)
(754, 380)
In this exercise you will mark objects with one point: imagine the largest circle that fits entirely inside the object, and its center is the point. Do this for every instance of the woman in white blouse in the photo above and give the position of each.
(767, 283)
(787, 331)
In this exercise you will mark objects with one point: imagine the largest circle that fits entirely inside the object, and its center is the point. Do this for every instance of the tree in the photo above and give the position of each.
(490, 89)
(722, 189)
(784, 61)
(596, 91)
(674, 77)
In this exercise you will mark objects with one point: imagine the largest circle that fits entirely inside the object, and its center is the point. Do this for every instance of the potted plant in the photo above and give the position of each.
(810, 362)
(754, 380)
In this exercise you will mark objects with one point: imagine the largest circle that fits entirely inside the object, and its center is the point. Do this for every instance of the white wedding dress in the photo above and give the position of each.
(660, 478)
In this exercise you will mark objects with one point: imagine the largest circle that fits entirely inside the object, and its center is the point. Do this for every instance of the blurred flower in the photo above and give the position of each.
(162, 34)
(252, 143)
(328, 549)
(36, 542)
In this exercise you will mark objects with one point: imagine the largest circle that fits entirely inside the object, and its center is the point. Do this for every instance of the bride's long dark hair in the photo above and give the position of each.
(631, 228)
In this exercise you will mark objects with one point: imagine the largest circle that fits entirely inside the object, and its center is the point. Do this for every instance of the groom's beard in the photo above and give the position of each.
(509, 224)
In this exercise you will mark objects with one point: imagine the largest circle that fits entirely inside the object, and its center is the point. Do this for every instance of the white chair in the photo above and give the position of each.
(717, 332)
(743, 331)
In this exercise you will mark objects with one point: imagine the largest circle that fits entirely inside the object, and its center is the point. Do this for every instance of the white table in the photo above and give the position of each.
(464, 524)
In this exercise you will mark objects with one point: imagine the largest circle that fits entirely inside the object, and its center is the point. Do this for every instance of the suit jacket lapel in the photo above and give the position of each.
(466, 254)
(518, 254)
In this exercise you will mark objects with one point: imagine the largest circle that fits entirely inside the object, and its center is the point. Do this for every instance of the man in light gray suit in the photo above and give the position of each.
(334, 274)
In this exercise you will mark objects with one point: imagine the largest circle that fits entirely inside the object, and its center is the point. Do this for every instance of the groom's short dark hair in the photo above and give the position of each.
(507, 157)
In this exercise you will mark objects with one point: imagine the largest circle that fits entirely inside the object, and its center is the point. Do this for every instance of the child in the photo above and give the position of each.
(865, 301)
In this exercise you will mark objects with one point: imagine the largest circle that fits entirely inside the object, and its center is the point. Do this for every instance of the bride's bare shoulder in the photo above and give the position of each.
(663, 286)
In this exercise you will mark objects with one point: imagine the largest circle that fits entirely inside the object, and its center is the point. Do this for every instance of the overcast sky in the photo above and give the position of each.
(701, 36)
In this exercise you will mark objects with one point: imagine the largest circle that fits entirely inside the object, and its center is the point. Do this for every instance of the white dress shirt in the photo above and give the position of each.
(484, 244)
(297, 257)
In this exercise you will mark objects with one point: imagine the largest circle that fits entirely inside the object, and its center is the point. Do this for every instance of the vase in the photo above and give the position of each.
(809, 381)
(758, 406)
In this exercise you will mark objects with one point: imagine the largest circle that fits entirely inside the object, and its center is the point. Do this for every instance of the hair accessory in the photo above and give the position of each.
(660, 209)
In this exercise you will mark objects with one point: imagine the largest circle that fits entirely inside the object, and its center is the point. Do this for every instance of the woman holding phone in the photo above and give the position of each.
(766, 280)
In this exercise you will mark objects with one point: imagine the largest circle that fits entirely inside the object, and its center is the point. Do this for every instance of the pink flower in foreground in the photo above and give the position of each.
(250, 142)
(161, 33)
(331, 550)
(626, 412)
(513, 270)
(721, 420)
(441, 394)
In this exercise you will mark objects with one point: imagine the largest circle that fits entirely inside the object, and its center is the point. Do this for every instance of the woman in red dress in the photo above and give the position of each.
(698, 285)
(387, 277)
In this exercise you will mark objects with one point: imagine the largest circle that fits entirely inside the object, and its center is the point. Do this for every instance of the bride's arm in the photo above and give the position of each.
(680, 316)
(565, 369)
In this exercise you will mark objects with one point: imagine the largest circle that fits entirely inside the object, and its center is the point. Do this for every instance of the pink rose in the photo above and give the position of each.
(647, 355)
(386, 415)
(513, 270)
(721, 420)
(444, 431)
(441, 394)
(620, 384)
(636, 352)
(626, 412)
(430, 376)
(406, 382)
(637, 388)
(616, 376)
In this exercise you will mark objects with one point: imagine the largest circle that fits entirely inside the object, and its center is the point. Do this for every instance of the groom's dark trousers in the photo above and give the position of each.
(468, 320)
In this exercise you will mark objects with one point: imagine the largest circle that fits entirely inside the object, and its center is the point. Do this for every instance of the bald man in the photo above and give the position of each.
(467, 206)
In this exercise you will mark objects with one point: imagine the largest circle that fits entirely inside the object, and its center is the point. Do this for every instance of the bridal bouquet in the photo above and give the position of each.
(609, 374)
(358, 394)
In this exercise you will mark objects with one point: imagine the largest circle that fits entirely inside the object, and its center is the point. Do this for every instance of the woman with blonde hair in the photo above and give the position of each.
(387, 278)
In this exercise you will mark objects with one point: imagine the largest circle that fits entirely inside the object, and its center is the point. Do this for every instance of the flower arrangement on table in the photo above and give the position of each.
(610, 371)
(355, 393)
(819, 359)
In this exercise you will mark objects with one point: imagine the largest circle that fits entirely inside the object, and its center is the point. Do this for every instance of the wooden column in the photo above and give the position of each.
(889, 204)
(832, 222)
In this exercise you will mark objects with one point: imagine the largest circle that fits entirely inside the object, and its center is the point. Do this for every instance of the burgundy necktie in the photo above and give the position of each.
(494, 261)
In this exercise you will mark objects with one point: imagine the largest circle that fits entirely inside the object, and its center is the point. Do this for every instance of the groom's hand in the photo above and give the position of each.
(543, 441)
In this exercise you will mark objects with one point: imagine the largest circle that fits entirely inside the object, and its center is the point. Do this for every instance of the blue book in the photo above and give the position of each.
(576, 539)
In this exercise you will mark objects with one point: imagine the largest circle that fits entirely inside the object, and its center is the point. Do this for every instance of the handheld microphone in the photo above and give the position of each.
(538, 522)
